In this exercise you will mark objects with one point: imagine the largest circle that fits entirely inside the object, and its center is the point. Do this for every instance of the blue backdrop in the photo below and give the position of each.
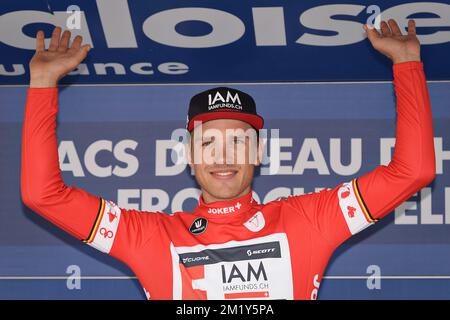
(314, 76)
(413, 256)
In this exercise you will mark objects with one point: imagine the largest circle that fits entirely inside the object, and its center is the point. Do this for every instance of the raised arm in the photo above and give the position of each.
(412, 167)
(90, 218)
(350, 207)
(413, 163)
(42, 187)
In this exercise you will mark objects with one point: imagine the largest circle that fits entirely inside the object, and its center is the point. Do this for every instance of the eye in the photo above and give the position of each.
(206, 143)
(238, 140)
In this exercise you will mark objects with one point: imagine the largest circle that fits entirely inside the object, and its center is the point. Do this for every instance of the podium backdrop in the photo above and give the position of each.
(336, 121)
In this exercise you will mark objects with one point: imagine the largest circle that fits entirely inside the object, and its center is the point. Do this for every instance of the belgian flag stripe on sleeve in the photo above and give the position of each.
(362, 203)
(97, 222)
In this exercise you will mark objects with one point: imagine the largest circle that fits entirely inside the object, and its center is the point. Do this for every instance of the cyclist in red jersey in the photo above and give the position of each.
(230, 246)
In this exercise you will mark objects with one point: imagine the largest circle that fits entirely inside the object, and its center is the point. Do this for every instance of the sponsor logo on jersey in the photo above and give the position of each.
(225, 210)
(112, 216)
(106, 233)
(147, 294)
(316, 285)
(258, 268)
(261, 251)
(105, 227)
(198, 226)
(197, 259)
(251, 278)
(351, 211)
(256, 223)
(353, 208)
(345, 193)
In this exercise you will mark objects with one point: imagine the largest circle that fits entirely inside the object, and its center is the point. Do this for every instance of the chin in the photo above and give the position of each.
(225, 193)
(223, 188)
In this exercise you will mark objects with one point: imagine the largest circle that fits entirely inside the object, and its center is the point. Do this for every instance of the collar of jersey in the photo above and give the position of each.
(225, 209)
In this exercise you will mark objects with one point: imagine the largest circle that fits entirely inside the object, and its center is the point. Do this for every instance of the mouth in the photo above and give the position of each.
(223, 174)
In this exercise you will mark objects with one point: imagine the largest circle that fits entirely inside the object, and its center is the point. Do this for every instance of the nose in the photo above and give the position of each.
(224, 153)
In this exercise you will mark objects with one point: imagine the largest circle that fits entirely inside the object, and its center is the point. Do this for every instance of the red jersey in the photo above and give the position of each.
(239, 248)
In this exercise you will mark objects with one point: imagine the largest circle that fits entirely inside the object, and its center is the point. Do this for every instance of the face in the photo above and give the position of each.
(223, 154)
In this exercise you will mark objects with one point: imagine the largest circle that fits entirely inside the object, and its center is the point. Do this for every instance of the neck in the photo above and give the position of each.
(209, 198)
(226, 208)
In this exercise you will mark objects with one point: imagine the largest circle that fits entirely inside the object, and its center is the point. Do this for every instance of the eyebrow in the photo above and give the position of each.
(231, 135)
(205, 138)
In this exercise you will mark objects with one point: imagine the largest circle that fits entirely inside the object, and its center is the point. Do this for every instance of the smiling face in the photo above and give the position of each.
(223, 154)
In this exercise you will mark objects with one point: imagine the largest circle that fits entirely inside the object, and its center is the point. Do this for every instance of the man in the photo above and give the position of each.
(230, 247)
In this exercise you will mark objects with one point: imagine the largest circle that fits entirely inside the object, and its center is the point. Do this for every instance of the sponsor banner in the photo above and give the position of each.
(178, 42)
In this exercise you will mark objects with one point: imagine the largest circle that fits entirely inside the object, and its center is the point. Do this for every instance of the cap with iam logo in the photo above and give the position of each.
(223, 103)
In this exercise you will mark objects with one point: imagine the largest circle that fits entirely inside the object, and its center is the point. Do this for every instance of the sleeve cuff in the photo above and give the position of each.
(42, 90)
(408, 65)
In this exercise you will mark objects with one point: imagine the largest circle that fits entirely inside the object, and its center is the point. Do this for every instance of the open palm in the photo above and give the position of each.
(393, 44)
(59, 59)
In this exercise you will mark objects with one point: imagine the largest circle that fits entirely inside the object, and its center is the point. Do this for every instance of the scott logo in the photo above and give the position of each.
(198, 226)
(261, 251)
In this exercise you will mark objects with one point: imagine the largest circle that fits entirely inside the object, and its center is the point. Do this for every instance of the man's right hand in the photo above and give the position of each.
(47, 67)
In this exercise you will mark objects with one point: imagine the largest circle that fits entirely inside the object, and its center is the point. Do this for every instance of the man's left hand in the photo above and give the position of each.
(390, 41)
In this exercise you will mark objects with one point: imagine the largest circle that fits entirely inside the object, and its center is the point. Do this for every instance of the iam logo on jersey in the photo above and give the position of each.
(256, 223)
(257, 268)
